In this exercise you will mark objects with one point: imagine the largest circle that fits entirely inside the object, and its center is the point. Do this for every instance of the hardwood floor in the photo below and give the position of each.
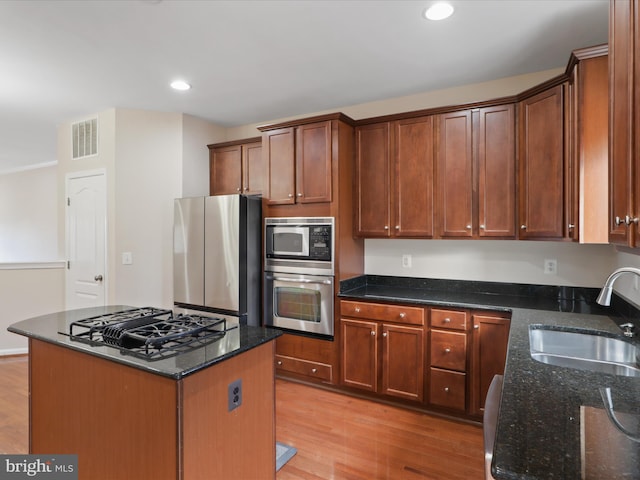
(338, 437)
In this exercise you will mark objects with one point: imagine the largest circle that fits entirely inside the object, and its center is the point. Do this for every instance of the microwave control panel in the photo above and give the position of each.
(320, 242)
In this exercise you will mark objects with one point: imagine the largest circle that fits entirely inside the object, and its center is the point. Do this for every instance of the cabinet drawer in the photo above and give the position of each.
(453, 319)
(447, 389)
(449, 350)
(321, 371)
(380, 311)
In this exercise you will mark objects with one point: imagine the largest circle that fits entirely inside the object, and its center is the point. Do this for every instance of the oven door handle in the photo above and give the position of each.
(293, 280)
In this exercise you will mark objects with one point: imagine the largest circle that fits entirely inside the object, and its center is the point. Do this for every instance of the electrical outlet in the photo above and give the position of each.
(406, 261)
(551, 266)
(235, 394)
(127, 258)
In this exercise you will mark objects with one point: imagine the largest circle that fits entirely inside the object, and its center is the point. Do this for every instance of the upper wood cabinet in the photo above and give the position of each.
(477, 173)
(298, 164)
(394, 178)
(624, 122)
(236, 167)
(586, 188)
(542, 166)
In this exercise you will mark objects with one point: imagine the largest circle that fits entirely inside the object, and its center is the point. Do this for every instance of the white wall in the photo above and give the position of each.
(26, 293)
(492, 260)
(148, 176)
(28, 216)
(196, 135)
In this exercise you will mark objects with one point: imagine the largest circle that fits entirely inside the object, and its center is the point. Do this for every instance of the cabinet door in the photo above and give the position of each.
(496, 172)
(542, 165)
(489, 353)
(225, 169)
(455, 181)
(403, 362)
(621, 161)
(280, 170)
(359, 354)
(252, 168)
(313, 163)
(372, 180)
(413, 193)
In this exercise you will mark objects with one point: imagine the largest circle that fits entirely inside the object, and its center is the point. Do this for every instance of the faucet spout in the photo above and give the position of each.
(604, 298)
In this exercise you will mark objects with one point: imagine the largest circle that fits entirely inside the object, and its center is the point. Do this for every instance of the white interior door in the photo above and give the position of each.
(86, 221)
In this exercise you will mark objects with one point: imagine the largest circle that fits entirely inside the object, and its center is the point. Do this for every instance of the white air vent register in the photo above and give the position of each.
(84, 138)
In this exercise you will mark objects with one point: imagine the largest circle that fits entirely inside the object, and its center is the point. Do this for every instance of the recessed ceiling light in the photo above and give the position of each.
(439, 11)
(180, 85)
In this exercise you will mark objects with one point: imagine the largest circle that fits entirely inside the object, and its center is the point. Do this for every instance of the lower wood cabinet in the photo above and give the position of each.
(385, 357)
(446, 365)
(305, 358)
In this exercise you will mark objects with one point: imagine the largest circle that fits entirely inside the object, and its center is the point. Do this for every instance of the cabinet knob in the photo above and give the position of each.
(299, 194)
(238, 189)
(384, 334)
(397, 227)
(447, 320)
(279, 362)
(628, 220)
(447, 350)
(523, 227)
(446, 389)
(314, 370)
(482, 227)
(468, 227)
(357, 309)
(477, 326)
(402, 314)
(373, 332)
(571, 226)
(290, 195)
(386, 227)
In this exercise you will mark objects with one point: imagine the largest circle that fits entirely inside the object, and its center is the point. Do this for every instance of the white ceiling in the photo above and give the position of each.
(254, 61)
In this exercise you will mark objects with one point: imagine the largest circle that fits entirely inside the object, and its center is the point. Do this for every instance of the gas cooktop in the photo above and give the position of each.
(149, 333)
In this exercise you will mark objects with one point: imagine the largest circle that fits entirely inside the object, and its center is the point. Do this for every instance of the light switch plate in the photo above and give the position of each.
(127, 258)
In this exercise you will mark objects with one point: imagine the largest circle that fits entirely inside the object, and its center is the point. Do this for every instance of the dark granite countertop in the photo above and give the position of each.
(234, 342)
(552, 422)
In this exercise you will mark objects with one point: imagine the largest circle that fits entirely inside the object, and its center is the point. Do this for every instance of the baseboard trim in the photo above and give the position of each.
(11, 352)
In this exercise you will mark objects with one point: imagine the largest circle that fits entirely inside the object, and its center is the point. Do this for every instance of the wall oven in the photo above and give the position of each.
(299, 275)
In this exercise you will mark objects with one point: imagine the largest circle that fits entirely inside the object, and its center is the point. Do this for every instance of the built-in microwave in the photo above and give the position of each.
(299, 245)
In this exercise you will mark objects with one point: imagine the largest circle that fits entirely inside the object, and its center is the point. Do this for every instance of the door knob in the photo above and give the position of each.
(98, 278)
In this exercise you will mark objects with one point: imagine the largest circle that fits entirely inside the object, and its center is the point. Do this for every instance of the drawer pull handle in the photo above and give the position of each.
(446, 389)
(447, 320)
(314, 370)
(402, 315)
(447, 350)
(279, 362)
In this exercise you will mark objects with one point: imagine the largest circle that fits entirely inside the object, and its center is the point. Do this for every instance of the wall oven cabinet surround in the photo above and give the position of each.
(624, 122)
(236, 167)
(394, 178)
(542, 165)
(299, 164)
(477, 173)
(383, 349)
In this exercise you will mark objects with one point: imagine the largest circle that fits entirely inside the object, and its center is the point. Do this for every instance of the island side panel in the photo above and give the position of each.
(120, 421)
(219, 444)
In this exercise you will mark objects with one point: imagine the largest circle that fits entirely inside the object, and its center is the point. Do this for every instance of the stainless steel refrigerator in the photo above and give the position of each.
(217, 255)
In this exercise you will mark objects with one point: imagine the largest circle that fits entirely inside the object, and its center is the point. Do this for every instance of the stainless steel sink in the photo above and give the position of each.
(583, 350)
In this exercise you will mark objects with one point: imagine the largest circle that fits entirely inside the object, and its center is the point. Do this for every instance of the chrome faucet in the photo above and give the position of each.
(605, 294)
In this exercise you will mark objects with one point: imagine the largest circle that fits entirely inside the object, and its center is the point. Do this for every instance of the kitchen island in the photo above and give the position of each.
(551, 422)
(174, 417)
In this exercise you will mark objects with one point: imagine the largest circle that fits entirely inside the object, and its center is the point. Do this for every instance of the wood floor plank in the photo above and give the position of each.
(338, 437)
